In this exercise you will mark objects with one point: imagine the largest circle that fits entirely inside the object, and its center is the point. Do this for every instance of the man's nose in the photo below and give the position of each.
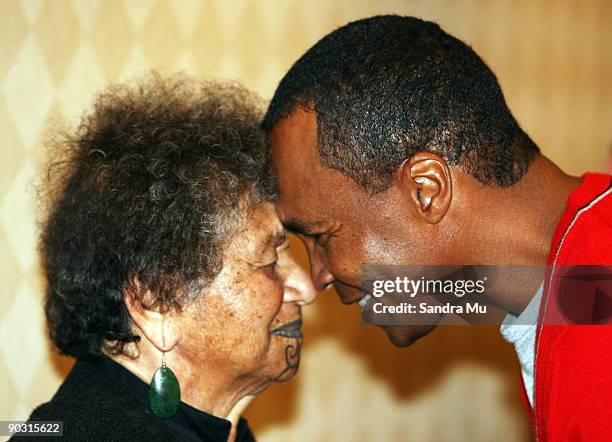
(298, 286)
(321, 278)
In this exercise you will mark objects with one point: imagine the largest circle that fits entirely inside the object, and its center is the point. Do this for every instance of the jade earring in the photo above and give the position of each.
(164, 391)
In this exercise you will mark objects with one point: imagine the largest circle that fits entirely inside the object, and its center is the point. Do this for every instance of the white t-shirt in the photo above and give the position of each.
(520, 331)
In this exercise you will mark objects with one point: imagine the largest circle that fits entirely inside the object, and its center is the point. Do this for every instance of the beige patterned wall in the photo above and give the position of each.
(553, 58)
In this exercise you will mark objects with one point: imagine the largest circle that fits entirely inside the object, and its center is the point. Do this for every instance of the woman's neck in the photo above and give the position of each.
(207, 390)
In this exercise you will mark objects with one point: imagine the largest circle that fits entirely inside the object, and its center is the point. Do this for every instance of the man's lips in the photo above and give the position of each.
(347, 293)
(289, 329)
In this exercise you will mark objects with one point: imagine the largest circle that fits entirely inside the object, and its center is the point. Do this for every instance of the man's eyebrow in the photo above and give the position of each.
(297, 226)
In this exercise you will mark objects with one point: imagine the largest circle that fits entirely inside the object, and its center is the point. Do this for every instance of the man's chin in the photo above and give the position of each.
(403, 336)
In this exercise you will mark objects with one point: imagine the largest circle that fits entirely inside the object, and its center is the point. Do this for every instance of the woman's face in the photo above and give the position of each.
(246, 323)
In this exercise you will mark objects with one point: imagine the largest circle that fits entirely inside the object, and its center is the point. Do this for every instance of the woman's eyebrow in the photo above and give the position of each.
(274, 239)
(282, 239)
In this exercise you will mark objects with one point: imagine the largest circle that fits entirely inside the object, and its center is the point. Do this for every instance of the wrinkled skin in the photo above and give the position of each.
(221, 345)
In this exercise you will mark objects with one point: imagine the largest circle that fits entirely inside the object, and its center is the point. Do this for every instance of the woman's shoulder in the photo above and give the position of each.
(93, 407)
(87, 421)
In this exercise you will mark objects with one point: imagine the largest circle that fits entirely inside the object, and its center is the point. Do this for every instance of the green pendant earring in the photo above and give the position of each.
(164, 391)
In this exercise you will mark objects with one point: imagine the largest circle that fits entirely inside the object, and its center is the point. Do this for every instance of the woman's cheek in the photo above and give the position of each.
(276, 292)
(266, 295)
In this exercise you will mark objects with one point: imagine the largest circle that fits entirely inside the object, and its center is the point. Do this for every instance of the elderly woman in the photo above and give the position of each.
(169, 277)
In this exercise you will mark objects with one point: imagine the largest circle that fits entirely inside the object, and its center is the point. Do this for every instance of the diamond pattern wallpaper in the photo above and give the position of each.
(553, 59)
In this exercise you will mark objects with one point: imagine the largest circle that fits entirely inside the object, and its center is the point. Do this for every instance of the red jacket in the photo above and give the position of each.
(573, 363)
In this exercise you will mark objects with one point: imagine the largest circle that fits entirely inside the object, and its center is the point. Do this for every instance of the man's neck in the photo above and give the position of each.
(515, 226)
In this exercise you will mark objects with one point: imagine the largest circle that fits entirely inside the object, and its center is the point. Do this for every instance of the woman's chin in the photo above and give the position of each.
(281, 376)
(287, 374)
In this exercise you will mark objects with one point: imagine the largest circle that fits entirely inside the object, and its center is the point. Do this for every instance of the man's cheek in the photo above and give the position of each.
(345, 268)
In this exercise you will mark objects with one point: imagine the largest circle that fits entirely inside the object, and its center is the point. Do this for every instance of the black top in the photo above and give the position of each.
(102, 400)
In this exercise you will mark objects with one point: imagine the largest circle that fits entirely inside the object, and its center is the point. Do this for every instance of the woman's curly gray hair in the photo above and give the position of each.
(149, 189)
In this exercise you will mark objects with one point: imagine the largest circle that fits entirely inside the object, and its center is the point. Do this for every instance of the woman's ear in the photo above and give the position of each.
(158, 327)
(426, 178)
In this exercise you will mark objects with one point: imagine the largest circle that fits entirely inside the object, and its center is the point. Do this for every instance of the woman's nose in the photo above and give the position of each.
(298, 286)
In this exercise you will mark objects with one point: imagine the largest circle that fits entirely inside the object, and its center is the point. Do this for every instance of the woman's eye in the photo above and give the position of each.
(269, 268)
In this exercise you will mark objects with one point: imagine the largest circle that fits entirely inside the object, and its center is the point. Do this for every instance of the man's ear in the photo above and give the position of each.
(158, 327)
(427, 180)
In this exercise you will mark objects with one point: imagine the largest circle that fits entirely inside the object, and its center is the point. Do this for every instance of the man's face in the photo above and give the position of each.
(248, 320)
(342, 226)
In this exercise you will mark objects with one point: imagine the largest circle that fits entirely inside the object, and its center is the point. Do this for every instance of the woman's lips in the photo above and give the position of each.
(289, 329)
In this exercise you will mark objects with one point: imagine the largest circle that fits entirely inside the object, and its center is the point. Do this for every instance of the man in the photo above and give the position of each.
(393, 144)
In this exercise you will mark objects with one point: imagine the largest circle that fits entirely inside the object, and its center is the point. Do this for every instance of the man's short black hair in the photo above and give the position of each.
(386, 87)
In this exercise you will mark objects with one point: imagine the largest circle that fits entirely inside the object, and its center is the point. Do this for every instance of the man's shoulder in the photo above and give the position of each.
(588, 240)
(573, 389)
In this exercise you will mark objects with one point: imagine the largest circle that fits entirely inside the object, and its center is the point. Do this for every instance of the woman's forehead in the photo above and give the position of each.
(261, 229)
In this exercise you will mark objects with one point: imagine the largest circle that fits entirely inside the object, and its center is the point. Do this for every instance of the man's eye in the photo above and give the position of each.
(321, 238)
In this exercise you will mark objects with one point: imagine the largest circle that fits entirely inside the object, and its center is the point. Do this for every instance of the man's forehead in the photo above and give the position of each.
(294, 142)
(308, 191)
(295, 158)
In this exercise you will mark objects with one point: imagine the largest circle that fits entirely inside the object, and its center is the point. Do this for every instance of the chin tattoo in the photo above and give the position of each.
(292, 359)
